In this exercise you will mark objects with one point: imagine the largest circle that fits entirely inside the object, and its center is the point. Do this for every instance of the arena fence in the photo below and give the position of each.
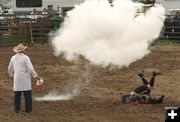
(16, 29)
(21, 29)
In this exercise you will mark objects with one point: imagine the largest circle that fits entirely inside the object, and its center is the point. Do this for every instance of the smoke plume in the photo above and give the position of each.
(108, 34)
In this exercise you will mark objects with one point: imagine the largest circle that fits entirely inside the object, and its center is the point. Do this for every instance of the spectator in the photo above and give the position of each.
(44, 13)
(34, 14)
(177, 16)
(51, 12)
(21, 68)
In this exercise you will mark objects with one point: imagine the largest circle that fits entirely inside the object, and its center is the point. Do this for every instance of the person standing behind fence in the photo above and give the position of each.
(177, 16)
(21, 68)
(51, 12)
(44, 13)
(34, 15)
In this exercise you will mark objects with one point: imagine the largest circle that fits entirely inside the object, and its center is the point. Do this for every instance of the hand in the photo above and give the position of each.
(38, 77)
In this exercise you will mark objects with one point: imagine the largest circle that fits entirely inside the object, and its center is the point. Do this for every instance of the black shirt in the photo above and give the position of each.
(142, 90)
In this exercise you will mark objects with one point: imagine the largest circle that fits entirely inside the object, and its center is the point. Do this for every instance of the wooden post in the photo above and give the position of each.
(31, 34)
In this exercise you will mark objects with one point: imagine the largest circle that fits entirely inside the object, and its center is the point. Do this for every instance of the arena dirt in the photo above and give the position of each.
(100, 100)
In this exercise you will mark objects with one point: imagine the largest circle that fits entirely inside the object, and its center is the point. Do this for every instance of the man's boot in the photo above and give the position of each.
(141, 74)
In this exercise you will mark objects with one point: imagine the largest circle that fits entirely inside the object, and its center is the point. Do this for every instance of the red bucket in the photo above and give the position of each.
(40, 86)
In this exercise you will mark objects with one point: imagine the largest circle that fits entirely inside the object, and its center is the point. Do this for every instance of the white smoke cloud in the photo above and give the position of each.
(106, 34)
(55, 96)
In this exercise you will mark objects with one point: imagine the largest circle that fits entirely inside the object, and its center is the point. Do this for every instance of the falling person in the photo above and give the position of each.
(142, 93)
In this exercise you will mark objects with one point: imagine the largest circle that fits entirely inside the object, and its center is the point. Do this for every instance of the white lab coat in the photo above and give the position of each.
(21, 68)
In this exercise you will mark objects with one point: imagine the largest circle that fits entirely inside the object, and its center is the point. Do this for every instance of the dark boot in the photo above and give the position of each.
(161, 99)
(154, 73)
(154, 101)
(141, 74)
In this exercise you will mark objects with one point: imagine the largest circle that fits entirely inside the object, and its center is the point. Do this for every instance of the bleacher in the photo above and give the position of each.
(171, 29)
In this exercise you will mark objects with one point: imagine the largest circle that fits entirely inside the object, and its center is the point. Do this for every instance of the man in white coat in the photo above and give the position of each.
(21, 69)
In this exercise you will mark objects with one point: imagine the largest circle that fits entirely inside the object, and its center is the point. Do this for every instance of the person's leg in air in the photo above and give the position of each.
(141, 75)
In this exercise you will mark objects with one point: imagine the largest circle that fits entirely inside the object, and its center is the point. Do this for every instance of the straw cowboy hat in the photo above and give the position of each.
(19, 48)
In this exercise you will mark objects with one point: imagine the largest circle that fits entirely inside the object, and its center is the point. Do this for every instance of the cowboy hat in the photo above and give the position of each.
(50, 6)
(19, 48)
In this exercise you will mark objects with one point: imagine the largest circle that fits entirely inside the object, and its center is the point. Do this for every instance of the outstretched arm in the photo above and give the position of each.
(10, 69)
(31, 68)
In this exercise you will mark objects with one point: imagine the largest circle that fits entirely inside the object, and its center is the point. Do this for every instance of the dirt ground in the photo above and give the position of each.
(99, 100)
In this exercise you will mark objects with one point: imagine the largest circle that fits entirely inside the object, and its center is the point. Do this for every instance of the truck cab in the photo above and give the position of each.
(26, 6)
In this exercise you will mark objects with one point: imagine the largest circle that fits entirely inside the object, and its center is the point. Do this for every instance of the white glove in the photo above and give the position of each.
(39, 82)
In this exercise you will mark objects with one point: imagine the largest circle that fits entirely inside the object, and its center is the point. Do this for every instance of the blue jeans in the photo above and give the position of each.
(28, 100)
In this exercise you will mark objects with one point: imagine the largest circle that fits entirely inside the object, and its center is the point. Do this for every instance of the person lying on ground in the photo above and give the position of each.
(142, 94)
